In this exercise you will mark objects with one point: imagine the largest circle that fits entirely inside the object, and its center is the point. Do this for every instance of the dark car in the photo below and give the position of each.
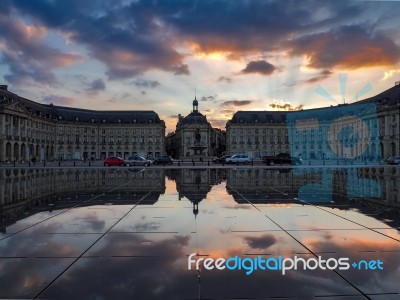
(281, 158)
(163, 160)
(114, 161)
(220, 160)
(393, 160)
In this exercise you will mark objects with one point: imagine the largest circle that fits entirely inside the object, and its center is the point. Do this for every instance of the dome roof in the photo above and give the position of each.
(195, 102)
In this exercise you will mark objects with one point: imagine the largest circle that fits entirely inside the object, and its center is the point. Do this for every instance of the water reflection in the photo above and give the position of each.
(127, 233)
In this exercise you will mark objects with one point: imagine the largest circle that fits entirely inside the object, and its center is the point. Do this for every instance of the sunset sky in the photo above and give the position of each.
(240, 55)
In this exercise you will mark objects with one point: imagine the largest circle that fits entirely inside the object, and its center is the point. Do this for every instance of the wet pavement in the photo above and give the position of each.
(128, 233)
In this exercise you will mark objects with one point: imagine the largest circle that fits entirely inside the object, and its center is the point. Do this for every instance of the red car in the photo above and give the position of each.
(114, 161)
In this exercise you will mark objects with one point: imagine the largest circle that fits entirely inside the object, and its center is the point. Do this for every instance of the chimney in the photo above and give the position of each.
(397, 83)
(4, 87)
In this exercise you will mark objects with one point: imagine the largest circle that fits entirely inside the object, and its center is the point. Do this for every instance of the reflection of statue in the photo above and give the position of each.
(197, 136)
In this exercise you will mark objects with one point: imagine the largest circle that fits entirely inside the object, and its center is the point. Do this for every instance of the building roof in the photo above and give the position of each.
(82, 115)
(259, 117)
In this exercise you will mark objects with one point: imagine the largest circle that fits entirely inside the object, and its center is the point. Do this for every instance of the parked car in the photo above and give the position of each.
(281, 158)
(238, 158)
(137, 161)
(393, 160)
(220, 160)
(165, 159)
(114, 161)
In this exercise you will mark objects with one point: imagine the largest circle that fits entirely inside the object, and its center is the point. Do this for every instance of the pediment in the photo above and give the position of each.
(17, 107)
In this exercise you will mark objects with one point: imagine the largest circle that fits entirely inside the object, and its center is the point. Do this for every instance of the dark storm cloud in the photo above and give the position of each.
(132, 38)
(260, 67)
(349, 47)
(146, 83)
(97, 85)
(248, 26)
(27, 58)
(236, 103)
(128, 39)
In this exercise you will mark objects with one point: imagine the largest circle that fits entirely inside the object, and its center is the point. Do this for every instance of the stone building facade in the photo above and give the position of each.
(257, 133)
(366, 130)
(195, 137)
(49, 132)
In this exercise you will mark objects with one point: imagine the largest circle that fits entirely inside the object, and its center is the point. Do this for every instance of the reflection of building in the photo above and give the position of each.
(195, 184)
(194, 136)
(266, 186)
(322, 186)
(367, 129)
(29, 191)
(30, 129)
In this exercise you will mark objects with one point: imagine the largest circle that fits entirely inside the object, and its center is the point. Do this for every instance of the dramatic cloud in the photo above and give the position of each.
(350, 47)
(236, 103)
(146, 83)
(27, 57)
(241, 27)
(286, 106)
(260, 66)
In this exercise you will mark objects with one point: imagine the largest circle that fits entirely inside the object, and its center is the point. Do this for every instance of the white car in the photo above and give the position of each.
(238, 158)
(137, 161)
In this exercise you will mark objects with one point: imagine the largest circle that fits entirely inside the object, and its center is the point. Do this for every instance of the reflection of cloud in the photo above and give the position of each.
(261, 242)
(238, 207)
(146, 226)
(260, 67)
